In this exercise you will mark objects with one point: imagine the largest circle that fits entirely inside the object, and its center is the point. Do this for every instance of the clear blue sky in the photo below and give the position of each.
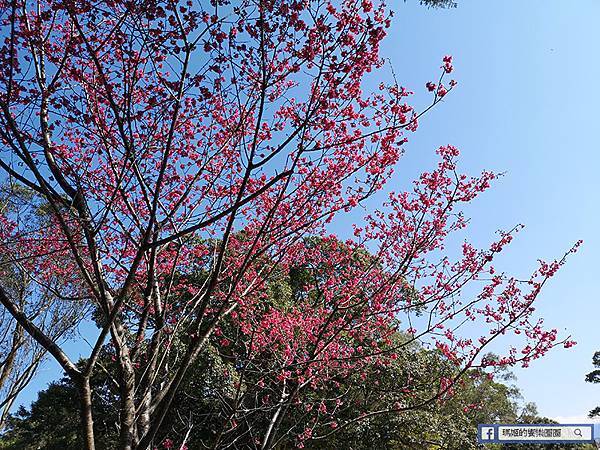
(527, 103)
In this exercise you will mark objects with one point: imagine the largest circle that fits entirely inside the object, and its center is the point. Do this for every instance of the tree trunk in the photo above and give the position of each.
(127, 414)
(266, 444)
(87, 420)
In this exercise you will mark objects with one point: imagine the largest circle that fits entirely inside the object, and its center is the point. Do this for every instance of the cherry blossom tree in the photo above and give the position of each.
(189, 153)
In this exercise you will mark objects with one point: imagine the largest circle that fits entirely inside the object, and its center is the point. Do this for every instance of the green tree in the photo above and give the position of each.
(208, 395)
(594, 377)
(449, 424)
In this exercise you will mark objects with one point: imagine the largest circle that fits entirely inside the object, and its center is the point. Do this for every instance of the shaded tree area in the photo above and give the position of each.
(451, 424)
(210, 393)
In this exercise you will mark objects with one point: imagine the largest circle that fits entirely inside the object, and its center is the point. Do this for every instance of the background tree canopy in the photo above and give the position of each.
(50, 423)
(210, 392)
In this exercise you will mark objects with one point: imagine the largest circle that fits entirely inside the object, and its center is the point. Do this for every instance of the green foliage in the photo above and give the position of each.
(52, 420)
(594, 377)
(209, 389)
(51, 423)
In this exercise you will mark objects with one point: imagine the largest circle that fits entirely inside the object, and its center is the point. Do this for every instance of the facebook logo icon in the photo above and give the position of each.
(487, 434)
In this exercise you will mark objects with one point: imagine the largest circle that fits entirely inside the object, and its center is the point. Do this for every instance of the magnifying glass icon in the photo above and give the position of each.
(577, 432)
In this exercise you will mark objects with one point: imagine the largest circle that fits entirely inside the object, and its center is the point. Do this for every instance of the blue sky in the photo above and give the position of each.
(526, 104)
